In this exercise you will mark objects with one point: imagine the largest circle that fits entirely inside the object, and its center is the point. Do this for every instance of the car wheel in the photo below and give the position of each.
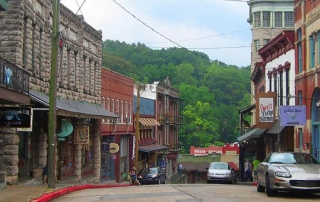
(259, 187)
(270, 192)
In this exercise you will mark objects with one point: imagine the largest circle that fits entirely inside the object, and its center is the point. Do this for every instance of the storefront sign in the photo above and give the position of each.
(15, 117)
(266, 109)
(113, 148)
(292, 115)
(81, 135)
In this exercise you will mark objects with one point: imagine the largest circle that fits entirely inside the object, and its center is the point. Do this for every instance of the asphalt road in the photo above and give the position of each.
(182, 193)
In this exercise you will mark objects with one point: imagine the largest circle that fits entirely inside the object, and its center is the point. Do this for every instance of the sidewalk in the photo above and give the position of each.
(41, 192)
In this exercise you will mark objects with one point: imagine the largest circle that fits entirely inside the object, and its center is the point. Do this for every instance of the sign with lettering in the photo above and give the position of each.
(81, 135)
(266, 109)
(15, 117)
(292, 115)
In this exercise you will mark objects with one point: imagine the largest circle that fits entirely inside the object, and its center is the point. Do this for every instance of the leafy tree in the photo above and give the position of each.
(212, 91)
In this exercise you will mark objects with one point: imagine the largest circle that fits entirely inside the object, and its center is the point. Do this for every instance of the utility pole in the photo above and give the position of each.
(136, 158)
(52, 97)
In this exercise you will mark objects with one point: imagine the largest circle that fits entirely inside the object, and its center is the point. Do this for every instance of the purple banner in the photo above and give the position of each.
(292, 115)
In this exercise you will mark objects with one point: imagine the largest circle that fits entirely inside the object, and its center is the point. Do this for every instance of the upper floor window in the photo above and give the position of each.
(288, 19)
(300, 97)
(265, 41)
(278, 19)
(299, 36)
(312, 44)
(318, 47)
(266, 19)
(257, 19)
(256, 45)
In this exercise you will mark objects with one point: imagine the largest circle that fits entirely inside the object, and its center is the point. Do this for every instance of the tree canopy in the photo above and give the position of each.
(212, 91)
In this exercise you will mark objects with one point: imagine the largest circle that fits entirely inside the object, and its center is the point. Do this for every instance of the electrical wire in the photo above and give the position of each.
(79, 7)
(147, 25)
(206, 37)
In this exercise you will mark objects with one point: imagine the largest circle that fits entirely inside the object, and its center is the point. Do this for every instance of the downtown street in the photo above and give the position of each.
(182, 193)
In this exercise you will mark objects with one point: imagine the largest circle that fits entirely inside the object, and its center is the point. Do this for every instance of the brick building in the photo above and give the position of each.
(307, 56)
(117, 97)
(26, 38)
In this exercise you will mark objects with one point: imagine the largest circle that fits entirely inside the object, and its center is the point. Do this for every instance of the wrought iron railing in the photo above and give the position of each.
(13, 77)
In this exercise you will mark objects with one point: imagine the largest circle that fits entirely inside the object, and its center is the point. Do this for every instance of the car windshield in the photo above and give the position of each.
(292, 158)
(219, 166)
(150, 171)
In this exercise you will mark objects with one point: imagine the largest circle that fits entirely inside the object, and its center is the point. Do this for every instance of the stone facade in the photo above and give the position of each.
(25, 40)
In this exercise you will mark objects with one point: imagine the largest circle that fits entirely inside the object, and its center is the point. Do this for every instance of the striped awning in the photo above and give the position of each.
(148, 122)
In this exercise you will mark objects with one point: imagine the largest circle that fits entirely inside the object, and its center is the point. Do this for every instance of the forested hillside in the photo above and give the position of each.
(213, 92)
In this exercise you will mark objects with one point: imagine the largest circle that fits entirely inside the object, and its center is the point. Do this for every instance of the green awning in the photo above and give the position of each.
(276, 128)
(254, 133)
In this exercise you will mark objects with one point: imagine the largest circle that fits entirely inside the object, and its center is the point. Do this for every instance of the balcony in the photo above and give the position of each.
(174, 147)
(13, 77)
(168, 119)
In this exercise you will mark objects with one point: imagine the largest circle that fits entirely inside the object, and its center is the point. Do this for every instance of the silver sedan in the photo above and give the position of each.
(288, 171)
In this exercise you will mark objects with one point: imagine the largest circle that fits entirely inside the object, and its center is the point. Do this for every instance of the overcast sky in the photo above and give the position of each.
(217, 28)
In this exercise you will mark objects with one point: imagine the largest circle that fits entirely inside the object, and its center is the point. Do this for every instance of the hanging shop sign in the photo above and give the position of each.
(292, 115)
(15, 117)
(113, 148)
(81, 135)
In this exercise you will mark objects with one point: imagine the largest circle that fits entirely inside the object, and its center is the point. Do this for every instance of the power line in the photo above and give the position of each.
(79, 7)
(147, 25)
(230, 47)
(204, 37)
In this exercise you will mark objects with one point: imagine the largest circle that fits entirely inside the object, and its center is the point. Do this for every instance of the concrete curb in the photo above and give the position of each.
(59, 192)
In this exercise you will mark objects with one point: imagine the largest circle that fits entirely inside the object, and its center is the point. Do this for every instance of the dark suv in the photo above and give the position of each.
(154, 175)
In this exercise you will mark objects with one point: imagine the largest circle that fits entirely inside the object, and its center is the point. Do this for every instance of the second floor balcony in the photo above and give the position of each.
(13, 77)
(165, 119)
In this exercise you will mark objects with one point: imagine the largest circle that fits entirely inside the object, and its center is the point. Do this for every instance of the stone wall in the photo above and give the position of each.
(25, 40)
(9, 154)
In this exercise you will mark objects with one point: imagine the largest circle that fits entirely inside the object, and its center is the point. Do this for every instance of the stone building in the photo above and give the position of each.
(26, 30)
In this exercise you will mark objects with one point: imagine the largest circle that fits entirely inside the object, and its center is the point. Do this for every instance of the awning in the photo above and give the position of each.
(148, 122)
(151, 147)
(254, 133)
(247, 109)
(276, 128)
(73, 108)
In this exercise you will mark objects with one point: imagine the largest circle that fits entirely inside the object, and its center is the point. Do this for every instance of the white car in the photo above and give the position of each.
(288, 171)
(221, 171)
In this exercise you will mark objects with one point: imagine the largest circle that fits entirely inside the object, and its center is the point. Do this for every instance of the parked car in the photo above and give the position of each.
(221, 171)
(288, 171)
(153, 175)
